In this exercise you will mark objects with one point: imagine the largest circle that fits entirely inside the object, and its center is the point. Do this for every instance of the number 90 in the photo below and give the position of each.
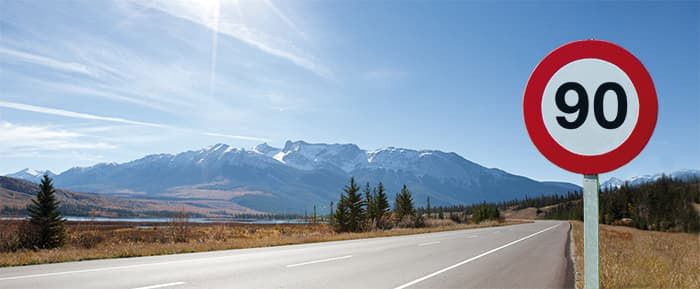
(581, 105)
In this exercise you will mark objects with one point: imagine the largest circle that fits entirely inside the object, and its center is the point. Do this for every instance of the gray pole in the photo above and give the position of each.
(591, 188)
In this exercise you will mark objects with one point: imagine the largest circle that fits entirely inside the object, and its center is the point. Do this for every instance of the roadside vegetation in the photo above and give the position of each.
(47, 238)
(356, 213)
(666, 205)
(633, 258)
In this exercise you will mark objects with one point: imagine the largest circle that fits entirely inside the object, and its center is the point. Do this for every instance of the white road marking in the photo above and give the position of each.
(472, 259)
(473, 236)
(319, 261)
(429, 243)
(162, 285)
(496, 232)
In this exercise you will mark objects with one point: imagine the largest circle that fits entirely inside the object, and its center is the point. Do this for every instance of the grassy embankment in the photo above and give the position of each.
(101, 240)
(632, 258)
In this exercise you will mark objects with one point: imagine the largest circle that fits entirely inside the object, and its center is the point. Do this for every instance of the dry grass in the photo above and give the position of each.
(631, 258)
(114, 240)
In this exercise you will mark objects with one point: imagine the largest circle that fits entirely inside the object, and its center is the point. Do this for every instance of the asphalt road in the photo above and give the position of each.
(518, 256)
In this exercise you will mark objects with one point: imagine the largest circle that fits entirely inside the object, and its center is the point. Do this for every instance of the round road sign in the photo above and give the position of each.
(590, 106)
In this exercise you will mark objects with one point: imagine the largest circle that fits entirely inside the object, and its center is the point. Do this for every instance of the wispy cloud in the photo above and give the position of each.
(45, 61)
(24, 139)
(72, 114)
(87, 116)
(212, 14)
(284, 18)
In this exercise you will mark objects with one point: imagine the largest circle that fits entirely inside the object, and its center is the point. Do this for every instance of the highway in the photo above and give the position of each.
(530, 255)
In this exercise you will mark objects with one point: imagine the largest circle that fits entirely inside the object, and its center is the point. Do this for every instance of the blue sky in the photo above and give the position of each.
(83, 82)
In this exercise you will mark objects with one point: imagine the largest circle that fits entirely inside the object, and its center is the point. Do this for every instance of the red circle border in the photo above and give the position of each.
(590, 164)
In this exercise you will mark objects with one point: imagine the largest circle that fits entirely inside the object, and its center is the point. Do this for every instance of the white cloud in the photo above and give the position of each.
(66, 113)
(20, 139)
(212, 14)
(72, 114)
(284, 18)
(46, 61)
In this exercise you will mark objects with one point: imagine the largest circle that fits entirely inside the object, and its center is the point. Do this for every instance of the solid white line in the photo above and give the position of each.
(429, 243)
(123, 267)
(319, 261)
(162, 285)
(471, 259)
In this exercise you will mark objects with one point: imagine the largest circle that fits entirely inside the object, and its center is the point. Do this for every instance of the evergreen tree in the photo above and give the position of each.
(369, 205)
(381, 205)
(404, 203)
(441, 213)
(427, 208)
(47, 225)
(355, 204)
(330, 214)
(342, 215)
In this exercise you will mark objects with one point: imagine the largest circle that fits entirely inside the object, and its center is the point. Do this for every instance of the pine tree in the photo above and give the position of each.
(441, 213)
(404, 203)
(355, 204)
(369, 205)
(341, 216)
(427, 208)
(381, 205)
(48, 230)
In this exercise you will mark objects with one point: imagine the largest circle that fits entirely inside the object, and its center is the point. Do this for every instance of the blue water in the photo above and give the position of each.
(165, 220)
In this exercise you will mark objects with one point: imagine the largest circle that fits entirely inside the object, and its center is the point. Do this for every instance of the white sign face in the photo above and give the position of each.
(590, 107)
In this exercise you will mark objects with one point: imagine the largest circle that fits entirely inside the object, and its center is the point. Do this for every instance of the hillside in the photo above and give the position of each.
(16, 194)
(301, 175)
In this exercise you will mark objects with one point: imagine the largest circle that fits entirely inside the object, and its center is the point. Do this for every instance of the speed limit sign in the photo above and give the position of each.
(590, 106)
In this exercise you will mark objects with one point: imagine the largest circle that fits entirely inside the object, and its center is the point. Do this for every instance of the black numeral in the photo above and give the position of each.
(581, 106)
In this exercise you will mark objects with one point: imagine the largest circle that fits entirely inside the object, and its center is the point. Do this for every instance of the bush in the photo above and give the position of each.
(9, 238)
(87, 240)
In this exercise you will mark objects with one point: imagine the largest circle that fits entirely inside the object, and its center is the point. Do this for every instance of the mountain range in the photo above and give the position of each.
(298, 176)
(638, 180)
(31, 175)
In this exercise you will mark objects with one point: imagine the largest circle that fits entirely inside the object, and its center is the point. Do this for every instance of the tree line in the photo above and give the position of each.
(663, 205)
(370, 209)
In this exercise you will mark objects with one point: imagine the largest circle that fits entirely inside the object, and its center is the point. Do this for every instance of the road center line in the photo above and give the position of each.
(472, 259)
(319, 261)
(162, 285)
(429, 243)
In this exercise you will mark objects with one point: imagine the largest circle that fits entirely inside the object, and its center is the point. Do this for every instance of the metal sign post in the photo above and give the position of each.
(591, 188)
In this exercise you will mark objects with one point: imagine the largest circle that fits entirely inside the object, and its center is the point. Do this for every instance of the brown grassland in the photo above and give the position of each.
(98, 240)
(632, 258)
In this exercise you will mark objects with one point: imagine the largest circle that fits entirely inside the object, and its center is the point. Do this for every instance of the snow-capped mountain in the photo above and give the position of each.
(638, 180)
(31, 175)
(301, 174)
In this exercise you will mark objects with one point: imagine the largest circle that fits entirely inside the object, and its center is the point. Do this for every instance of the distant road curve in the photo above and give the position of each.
(517, 256)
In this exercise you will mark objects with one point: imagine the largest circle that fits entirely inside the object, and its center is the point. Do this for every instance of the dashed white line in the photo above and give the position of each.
(161, 285)
(429, 243)
(319, 261)
(496, 232)
(472, 259)
(472, 236)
